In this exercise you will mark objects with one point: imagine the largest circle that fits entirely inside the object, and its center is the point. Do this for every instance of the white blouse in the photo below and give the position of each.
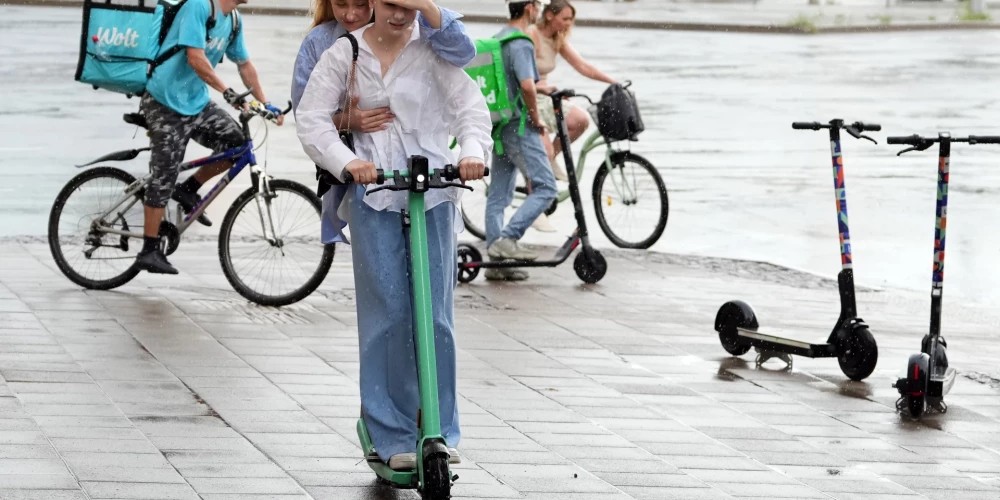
(432, 100)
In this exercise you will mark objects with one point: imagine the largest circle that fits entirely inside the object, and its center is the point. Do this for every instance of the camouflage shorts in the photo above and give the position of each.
(169, 133)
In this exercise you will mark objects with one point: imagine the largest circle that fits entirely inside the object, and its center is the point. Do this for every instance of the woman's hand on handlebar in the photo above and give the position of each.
(363, 172)
(471, 169)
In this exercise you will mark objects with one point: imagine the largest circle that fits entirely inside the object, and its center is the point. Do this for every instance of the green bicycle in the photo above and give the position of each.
(623, 180)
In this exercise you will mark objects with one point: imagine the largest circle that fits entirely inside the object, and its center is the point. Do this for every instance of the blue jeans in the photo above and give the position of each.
(386, 331)
(520, 152)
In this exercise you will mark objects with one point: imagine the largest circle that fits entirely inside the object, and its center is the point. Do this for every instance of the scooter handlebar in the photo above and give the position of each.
(451, 173)
(806, 125)
(984, 139)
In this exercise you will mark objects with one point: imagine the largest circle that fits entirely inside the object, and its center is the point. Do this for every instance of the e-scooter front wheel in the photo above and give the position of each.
(857, 353)
(591, 268)
(437, 478)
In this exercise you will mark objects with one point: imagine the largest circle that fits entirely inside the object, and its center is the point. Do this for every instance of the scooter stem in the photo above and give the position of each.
(430, 421)
(845, 279)
(940, 230)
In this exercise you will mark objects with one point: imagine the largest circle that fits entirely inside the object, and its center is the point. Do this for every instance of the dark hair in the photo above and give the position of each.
(517, 10)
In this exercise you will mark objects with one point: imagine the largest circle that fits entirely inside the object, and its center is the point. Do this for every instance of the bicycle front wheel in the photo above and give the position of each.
(631, 201)
(79, 240)
(270, 247)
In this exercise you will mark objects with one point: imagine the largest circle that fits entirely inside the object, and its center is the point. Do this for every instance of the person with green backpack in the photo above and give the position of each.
(512, 99)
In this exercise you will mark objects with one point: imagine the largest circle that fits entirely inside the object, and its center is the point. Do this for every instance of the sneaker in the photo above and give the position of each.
(188, 201)
(498, 274)
(408, 461)
(508, 249)
(542, 224)
(403, 461)
(154, 262)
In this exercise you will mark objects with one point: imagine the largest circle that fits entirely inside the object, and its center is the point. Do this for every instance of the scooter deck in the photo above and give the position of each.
(781, 344)
(398, 479)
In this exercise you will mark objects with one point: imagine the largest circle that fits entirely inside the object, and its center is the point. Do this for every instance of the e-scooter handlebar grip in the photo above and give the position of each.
(805, 126)
(912, 140)
(871, 127)
(985, 139)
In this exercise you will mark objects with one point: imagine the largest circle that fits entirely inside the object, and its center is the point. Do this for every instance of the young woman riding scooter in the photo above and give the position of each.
(332, 19)
(430, 99)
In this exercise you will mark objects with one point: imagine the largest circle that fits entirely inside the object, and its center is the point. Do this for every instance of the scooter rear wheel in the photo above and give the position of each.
(916, 405)
(590, 270)
(468, 254)
(858, 354)
(437, 479)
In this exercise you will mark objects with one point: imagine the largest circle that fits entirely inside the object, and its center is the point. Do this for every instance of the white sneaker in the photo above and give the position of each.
(542, 224)
(508, 249)
(403, 461)
(408, 461)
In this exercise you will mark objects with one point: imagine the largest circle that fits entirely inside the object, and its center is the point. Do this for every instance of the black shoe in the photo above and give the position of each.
(154, 262)
(187, 201)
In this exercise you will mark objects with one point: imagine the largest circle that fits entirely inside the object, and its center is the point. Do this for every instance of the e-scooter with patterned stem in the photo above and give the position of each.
(851, 342)
(928, 377)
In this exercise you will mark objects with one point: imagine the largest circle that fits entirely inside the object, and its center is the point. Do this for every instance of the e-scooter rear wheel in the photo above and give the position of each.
(468, 254)
(437, 478)
(858, 353)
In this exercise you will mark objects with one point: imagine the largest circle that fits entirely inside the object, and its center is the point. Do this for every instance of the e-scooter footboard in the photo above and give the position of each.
(770, 342)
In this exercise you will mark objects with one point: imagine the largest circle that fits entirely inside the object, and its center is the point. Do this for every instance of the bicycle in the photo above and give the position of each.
(105, 231)
(625, 191)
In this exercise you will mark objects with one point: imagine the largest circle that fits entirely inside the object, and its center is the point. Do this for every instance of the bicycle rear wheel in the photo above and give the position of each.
(91, 258)
(279, 265)
(630, 201)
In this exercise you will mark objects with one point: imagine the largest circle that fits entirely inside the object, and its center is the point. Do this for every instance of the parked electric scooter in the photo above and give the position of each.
(590, 265)
(851, 342)
(432, 477)
(928, 377)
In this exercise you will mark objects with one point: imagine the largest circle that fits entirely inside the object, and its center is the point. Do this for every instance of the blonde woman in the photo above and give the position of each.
(551, 35)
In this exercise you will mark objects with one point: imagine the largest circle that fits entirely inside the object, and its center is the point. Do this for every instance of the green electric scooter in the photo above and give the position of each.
(432, 477)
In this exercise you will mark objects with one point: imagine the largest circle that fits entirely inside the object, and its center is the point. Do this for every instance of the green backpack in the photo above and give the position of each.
(487, 70)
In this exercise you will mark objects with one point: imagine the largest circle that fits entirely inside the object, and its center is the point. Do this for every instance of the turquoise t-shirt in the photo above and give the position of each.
(174, 84)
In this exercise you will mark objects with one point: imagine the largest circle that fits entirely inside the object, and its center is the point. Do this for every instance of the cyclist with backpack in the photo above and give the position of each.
(518, 138)
(331, 20)
(177, 109)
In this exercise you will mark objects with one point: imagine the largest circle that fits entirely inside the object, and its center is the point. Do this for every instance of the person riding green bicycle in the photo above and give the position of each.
(177, 109)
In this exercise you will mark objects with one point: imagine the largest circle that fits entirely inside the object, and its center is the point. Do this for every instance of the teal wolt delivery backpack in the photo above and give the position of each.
(121, 42)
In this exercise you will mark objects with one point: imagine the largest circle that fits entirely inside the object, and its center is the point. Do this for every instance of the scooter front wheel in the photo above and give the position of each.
(858, 353)
(437, 478)
(591, 269)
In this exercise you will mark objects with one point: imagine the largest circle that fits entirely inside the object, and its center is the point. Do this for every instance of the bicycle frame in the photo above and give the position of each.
(243, 155)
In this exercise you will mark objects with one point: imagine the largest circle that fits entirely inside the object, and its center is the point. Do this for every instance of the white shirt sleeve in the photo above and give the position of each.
(322, 98)
(466, 112)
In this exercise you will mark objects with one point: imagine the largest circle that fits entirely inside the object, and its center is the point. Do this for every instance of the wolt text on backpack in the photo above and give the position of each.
(487, 70)
(120, 44)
